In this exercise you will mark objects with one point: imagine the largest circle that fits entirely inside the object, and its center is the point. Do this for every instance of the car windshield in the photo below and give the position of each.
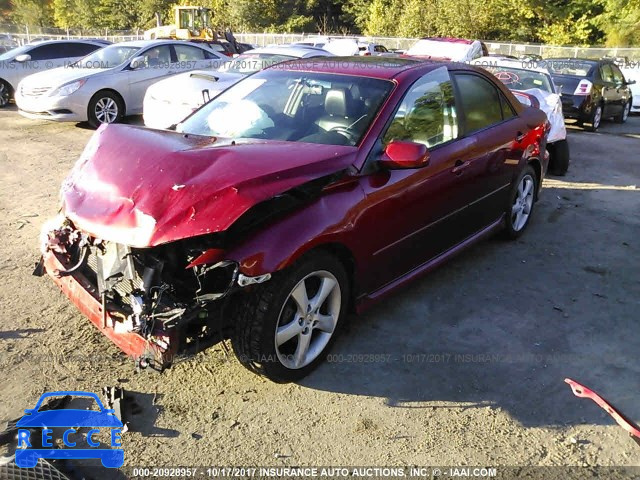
(433, 48)
(292, 106)
(521, 79)
(108, 57)
(252, 62)
(15, 52)
(576, 68)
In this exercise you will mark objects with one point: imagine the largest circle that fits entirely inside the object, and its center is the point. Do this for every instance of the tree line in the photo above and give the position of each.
(559, 22)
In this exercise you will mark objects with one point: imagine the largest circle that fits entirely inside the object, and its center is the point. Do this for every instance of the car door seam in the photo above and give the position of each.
(435, 222)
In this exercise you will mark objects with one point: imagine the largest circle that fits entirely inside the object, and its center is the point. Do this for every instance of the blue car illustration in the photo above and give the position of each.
(27, 457)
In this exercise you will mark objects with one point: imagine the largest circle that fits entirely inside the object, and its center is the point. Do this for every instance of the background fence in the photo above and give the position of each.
(504, 48)
(11, 34)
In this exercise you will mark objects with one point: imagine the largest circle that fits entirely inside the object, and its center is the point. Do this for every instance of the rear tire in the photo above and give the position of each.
(5, 93)
(595, 120)
(105, 107)
(559, 161)
(286, 326)
(622, 118)
(521, 203)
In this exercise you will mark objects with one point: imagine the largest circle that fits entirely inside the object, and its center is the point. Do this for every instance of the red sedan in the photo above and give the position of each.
(306, 191)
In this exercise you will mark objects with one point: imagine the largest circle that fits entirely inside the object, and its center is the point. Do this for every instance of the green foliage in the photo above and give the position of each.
(559, 22)
(5, 5)
(33, 13)
(381, 19)
(298, 23)
(620, 22)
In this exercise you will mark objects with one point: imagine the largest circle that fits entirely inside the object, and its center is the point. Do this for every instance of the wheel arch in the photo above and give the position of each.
(345, 257)
(534, 162)
(113, 91)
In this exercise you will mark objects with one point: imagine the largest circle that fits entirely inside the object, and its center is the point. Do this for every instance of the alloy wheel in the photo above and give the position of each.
(522, 204)
(597, 117)
(308, 319)
(106, 110)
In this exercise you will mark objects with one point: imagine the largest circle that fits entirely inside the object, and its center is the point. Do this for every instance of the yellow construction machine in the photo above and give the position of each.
(191, 23)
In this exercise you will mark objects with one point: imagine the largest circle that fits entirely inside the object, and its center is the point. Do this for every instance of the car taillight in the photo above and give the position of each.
(583, 88)
(367, 54)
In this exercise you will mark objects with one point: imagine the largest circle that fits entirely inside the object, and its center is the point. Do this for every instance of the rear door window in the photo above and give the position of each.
(186, 53)
(78, 49)
(480, 101)
(50, 51)
(618, 77)
(507, 109)
(607, 73)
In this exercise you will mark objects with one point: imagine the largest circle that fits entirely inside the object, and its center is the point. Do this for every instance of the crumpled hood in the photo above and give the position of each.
(186, 88)
(145, 187)
(551, 104)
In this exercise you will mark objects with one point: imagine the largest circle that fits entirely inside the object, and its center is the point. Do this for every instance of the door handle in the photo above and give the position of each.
(460, 166)
(520, 136)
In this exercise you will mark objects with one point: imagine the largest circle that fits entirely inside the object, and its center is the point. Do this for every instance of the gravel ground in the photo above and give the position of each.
(465, 367)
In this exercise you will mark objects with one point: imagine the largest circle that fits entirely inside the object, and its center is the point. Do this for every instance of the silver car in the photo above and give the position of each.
(21, 62)
(110, 83)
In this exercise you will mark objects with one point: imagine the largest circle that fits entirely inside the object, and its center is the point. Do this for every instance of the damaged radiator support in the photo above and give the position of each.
(132, 291)
(145, 300)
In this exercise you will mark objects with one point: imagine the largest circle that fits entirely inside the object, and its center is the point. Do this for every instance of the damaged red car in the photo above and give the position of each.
(302, 193)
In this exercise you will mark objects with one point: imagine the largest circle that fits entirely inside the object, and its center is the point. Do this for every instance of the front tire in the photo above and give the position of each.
(288, 324)
(559, 161)
(5, 93)
(522, 202)
(105, 107)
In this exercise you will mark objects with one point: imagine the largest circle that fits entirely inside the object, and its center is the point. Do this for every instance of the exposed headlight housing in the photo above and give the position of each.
(68, 88)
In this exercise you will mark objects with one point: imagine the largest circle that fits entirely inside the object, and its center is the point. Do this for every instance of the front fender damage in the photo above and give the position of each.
(170, 299)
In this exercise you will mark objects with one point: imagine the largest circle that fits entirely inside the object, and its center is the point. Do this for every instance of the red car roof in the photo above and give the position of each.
(375, 67)
(449, 39)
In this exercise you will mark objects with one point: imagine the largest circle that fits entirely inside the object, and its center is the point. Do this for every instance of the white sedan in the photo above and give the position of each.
(634, 75)
(522, 76)
(110, 83)
(172, 100)
(455, 49)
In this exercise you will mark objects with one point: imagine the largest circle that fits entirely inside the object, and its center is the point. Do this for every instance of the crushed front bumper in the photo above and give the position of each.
(85, 296)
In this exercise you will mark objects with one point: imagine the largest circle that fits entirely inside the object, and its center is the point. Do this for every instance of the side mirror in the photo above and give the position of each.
(25, 57)
(630, 82)
(403, 154)
(138, 63)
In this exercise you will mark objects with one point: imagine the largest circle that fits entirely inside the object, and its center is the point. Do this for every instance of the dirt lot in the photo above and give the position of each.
(470, 361)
